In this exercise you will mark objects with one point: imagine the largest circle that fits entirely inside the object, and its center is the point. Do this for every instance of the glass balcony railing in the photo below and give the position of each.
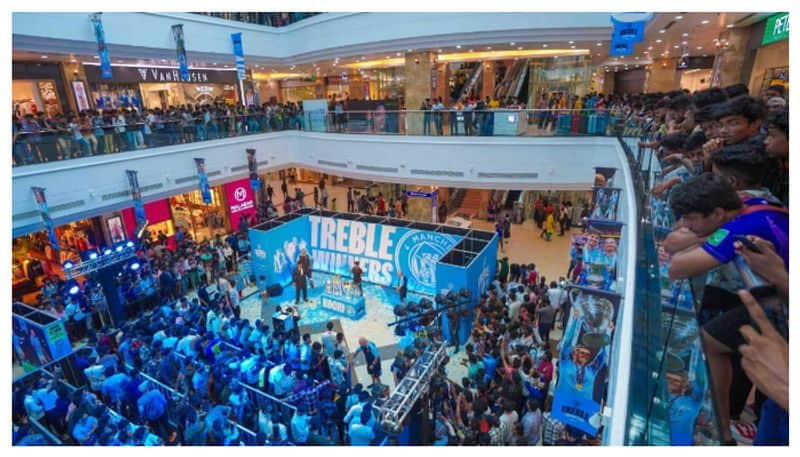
(268, 19)
(53, 140)
(670, 400)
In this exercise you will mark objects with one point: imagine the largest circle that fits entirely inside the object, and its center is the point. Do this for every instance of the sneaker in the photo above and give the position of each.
(743, 432)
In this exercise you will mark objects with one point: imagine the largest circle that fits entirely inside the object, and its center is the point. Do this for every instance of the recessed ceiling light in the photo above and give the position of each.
(471, 50)
(544, 45)
(685, 34)
(488, 47)
(699, 48)
(512, 43)
(410, 50)
(439, 50)
(214, 63)
(705, 21)
(678, 17)
(662, 31)
(676, 46)
(571, 41)
(636, 58)
(73, 60)
(44, 57)
(572, 47)
(458, 46)
(730, 26)
(95, 57)
(684, 43)
(599, 44)
(388, 57)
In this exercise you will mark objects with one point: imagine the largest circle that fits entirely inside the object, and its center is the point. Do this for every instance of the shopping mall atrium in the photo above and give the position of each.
(400, 229)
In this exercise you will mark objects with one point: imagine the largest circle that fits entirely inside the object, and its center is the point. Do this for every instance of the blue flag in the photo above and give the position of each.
(41, 202)
(238, 53)
(180, 47)
(205, 189)
(102, 49)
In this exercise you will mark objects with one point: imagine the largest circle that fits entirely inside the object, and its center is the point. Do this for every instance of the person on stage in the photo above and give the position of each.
(402, 286)
(299, 279)
(305, 262)
(357, 273)
(372, 356)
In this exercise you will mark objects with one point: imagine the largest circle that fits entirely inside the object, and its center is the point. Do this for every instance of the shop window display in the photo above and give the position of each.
(202, 221)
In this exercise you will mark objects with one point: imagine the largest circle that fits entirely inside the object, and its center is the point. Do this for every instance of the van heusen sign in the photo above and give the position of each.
(160, 75)
(776, 29)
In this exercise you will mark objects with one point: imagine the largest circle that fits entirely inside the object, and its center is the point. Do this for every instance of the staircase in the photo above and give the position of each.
(471, 203)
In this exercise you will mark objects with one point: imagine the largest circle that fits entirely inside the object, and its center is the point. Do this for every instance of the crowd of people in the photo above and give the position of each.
(724, 158)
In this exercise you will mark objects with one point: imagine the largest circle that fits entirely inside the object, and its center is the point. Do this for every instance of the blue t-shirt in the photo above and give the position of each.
(770, 225)
(360, 434)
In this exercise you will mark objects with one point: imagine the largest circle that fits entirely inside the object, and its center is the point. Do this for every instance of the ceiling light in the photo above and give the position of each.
(512, 43)
(572, 47)
(458, 46)
(699, 48)
(519, 48)
(676, 46)
(662, 31)
(544, 45)
(439, 50)
(705, 21)
(730, 26)
(73, 60)
(44, 57)
(488, 47)
(678, 18)
(398, 54)
(684, 43)
(410, 50)
(387, 57)
(571, 41)
(599, 44)
(471, 50)
(658, 41)
(685, 34)
(649, 48)
(95, 57)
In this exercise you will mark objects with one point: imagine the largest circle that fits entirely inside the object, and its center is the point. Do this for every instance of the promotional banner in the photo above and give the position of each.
(597, 250)
(584, 353)
(180, 48)
(41, 202)
(604, 203)
(102, 49)
(238, 53)
(241, 201)
(275, 251)
(36, 345)
(136, 195)
(381, 249)
(252, 167)
(205, 189)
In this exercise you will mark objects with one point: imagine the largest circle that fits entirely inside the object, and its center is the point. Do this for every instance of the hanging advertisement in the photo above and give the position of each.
(37, 344)
(252, 168)
(604, 203)
(180, 48)
(600, 244)
(102, 49)
(41, 202)
(136, 195)
(81, 98)
(584, 355)
(241, 201)
(205, 189)
(238, 53)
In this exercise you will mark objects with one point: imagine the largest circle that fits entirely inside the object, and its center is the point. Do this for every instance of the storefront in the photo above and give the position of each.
(202, 221)
(33, 258)
(37, 87)
(240, 200)
(771, 64)
(160, 87)
(295, 90)
(159, 219)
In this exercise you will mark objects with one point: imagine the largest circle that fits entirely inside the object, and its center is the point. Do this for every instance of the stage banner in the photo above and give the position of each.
(238, 53)
(241, 201)
(180, 48)
(136, 195)
(605, 201)
(252, 167)
(381, 249)
(276, 250)
(102, 49)
(41, 202)
(600, 255)
(584, 353)
(205, 189)
(450, 278)
(39, 344)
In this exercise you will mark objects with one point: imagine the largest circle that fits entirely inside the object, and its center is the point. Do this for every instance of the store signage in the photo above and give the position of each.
(776, 29)
(161, 75)
(241, 201)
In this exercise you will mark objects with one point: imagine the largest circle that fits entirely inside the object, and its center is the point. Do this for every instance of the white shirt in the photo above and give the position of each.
(557, 296)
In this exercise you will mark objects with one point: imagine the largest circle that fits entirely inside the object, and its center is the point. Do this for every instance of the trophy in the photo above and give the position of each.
(596, 311)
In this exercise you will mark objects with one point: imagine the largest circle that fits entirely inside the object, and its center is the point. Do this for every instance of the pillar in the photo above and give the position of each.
(607, 86)
(420, 73)
(731, 64)
(74, 72)
(487, 88)
(442, 88)
(662, 76)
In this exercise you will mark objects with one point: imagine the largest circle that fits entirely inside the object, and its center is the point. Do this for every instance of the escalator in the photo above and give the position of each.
(511, 197)
(474, 80)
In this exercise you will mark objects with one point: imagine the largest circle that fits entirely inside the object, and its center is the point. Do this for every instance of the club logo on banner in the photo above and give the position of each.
(205, 189)
(418, 254)
(41, 202)
(238, 53)
(584, 353)
(180, 48)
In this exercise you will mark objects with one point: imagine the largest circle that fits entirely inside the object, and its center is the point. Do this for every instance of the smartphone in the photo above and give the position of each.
(747, 243)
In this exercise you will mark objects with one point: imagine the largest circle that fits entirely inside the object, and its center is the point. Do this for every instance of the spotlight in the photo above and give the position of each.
(129, 244)
(135, 266)
(68, 265)
(74, 290)
(92, 255)
(107, 251)
(119, 248)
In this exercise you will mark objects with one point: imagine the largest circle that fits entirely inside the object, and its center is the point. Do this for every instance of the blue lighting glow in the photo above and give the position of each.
(74, 290)
(134, 266)
(107, 251)
(68, 264)
(92, 255)
(129, 244)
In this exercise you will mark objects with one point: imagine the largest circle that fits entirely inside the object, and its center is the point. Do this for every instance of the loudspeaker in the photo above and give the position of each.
(274, 290)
